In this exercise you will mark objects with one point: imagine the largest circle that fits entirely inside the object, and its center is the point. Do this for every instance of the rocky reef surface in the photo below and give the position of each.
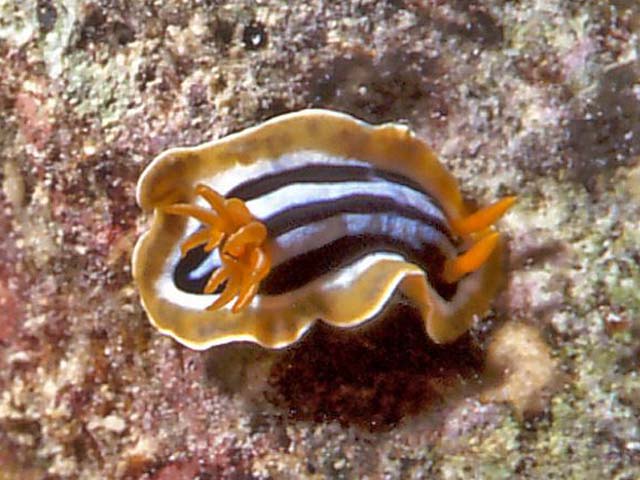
(540, 99)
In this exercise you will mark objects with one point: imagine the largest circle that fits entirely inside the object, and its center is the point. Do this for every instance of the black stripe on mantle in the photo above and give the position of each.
(319, 173)
(302, 269)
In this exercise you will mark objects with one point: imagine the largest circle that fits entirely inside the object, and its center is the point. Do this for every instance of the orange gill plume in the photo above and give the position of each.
(229, 226)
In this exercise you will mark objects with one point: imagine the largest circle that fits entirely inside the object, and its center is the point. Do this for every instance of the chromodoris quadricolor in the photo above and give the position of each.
(312, 215)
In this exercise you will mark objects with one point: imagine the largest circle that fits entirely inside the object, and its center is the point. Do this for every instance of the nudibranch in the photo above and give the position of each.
(313, 215)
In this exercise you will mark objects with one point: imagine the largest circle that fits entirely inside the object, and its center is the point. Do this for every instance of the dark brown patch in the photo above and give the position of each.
(628, 360)
(11, 315)
(227, 365)
(221, 33)
(539, 66)
(617, 320)
(473, 22)
(606, 133)
(197, 97)
(371, 377)
(123, 33)
(254, 36)
(93, 27)
(399, 85)
(18, 461)
(272, 107)
(47, 15)
(99, 26)
(539, 254)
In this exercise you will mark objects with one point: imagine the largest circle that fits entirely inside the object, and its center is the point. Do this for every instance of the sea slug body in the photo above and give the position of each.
(313, 215)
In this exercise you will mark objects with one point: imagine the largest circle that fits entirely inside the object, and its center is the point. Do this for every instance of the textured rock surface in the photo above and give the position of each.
(537, 98)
